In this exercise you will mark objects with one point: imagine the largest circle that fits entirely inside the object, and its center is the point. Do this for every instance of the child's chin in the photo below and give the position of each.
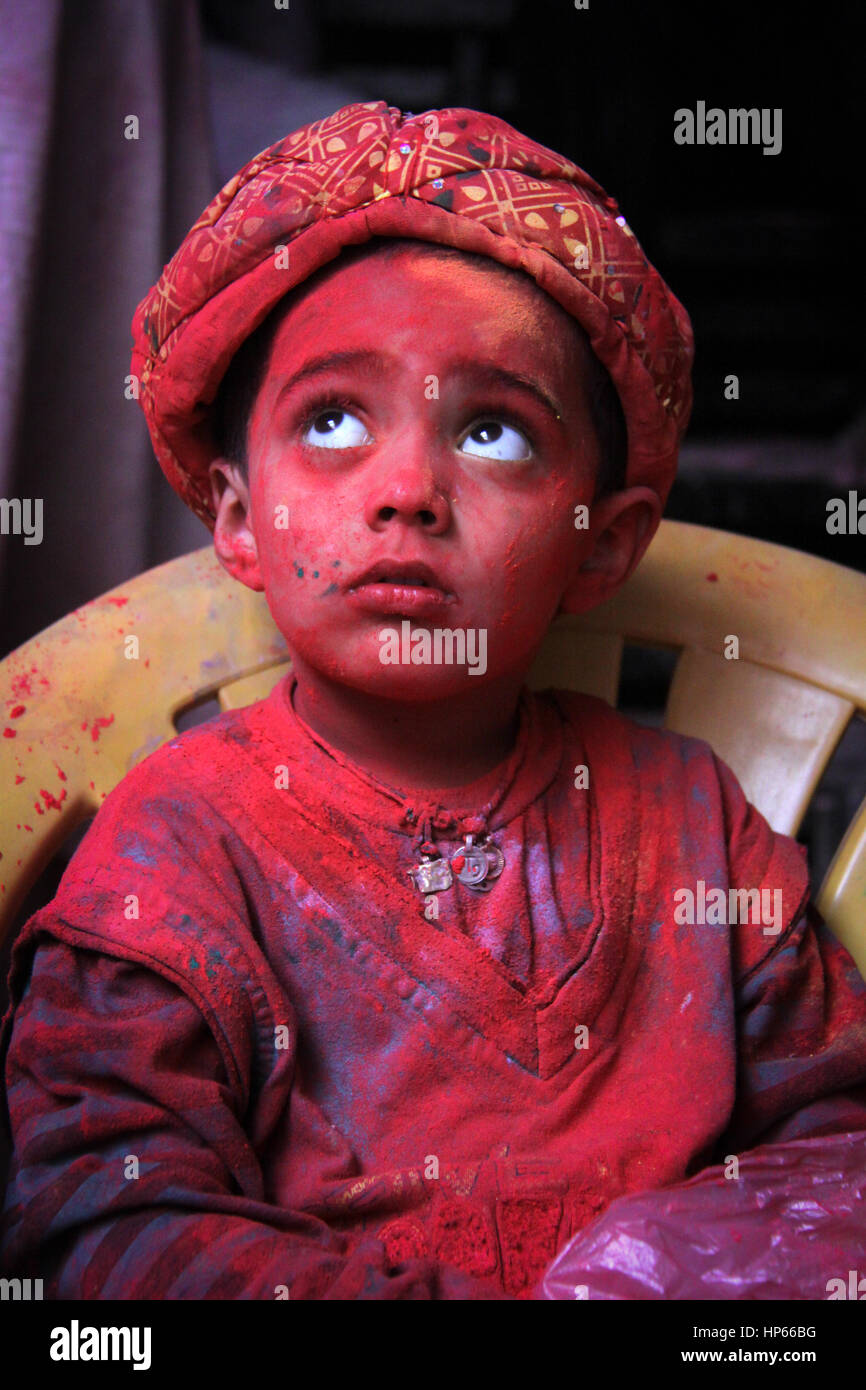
(418, 683)
(362, 671)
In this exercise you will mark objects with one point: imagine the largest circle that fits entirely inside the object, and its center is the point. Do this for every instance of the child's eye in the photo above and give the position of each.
(490, 439)
(335, 428)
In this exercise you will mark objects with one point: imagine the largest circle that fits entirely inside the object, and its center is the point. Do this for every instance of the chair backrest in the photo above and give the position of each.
(771, 668)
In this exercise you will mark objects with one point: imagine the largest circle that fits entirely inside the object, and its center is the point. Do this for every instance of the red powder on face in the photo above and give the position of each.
(17, 711)
(118, 602)
(9, 733)
(18, 779)
(457, 345)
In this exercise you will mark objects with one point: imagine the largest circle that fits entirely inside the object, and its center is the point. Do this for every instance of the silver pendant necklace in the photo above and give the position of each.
(477, 863)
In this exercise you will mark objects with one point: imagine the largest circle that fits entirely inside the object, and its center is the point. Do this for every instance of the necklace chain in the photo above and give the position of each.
(479, 861)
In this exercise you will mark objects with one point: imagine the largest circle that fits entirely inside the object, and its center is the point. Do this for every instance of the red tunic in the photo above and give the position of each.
(243, 1064)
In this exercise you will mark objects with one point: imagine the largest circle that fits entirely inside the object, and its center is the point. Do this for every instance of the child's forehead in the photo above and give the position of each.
(411, 289)
(404, 262)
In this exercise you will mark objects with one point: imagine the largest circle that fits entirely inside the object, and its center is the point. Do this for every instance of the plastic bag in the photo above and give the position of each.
(791, 1225)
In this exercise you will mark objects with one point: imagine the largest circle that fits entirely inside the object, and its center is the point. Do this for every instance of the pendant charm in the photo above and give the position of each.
(431, 876)
(495, 858)
(475, 866)
(478, 865)
(470, 864)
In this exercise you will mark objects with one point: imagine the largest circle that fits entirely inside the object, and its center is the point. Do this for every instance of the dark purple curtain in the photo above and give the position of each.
(87, 219)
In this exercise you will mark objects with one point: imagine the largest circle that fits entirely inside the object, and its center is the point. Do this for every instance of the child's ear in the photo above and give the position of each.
(234, 540)
(621, 527)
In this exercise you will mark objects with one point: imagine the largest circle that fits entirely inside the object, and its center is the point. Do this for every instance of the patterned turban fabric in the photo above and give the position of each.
(457, 177)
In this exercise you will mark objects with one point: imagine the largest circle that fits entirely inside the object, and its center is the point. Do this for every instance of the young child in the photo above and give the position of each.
(406, 1003)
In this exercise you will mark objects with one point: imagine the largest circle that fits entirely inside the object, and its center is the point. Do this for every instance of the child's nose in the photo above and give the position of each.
(410, 487)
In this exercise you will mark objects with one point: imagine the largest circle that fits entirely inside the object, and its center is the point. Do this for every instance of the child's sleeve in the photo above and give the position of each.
(131, 1161)
(142, 1080)
(800, 1001)
(801, 1034)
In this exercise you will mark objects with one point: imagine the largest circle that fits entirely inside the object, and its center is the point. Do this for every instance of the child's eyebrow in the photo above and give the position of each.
(491, 374)
(373, 363)
(377, 364)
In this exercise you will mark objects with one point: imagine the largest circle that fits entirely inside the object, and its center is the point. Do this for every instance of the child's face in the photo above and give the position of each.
(425, 411)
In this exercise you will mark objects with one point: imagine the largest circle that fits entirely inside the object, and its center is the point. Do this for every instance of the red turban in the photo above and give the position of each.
(457, 177)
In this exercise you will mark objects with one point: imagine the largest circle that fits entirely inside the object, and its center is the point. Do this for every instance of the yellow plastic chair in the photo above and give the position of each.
(98, 691)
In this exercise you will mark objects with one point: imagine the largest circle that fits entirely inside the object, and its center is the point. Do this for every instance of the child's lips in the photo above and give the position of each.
(420, 601)
(400, 586)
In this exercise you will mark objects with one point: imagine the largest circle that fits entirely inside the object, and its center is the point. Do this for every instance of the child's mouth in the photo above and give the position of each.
(396, 586)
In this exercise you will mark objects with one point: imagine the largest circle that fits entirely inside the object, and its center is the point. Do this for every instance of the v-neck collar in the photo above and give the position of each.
(535, 1026)
(537, 752)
